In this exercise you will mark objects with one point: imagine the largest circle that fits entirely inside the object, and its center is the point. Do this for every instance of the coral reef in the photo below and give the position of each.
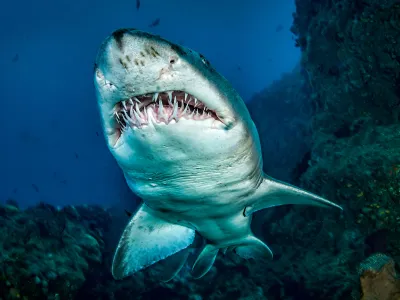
(350, 54)
(47, 253)
(50, 253)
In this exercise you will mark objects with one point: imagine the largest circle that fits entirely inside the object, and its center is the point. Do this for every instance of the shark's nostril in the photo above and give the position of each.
(173, 60)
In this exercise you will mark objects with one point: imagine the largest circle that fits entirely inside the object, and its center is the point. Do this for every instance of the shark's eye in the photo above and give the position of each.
(204, 60)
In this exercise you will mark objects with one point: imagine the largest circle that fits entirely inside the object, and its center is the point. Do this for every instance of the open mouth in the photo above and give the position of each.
(136, 112)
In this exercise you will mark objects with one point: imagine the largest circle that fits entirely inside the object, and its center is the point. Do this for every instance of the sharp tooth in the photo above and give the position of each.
(136, 99)
(124, 105)
(130, 101)
(208, 114)
(131, 113)
(161, 110)
(126, 118)
(197, 112)
(195, 102)
(186, 95)
(182, 106)
(138, 109)
(138, 118)
(155, 97)
(170, 101)
(185, 110)
(175, 112)
(169, 96)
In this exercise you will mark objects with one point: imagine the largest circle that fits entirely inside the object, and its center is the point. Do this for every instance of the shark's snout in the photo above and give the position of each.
(131, 47)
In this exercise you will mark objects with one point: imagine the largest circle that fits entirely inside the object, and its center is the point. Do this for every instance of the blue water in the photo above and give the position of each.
(51, 144)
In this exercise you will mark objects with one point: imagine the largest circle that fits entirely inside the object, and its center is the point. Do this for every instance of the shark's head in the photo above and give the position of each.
(156, 96)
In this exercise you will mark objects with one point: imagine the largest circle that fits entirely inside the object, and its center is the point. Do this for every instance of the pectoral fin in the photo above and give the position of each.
(273, 192)
(146, 240)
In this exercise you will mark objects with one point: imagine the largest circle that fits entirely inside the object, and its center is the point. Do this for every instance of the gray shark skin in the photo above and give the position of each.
(188, 147)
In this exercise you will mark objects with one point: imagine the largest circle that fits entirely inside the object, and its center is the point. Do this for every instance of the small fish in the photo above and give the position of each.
(76, 155)
(97, 133)
(15, 58)
(35, 187)
(239, 68)
(155, 23)
(137, 4)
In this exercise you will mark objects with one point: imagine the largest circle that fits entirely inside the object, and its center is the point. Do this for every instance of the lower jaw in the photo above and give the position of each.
(116, 138)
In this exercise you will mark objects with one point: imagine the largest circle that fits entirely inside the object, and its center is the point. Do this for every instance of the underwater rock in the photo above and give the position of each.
(281, 113)
(378, 278)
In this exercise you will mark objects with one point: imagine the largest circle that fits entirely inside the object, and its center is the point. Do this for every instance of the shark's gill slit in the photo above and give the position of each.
(163, 107)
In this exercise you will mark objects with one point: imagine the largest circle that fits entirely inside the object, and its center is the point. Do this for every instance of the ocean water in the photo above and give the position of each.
(83, 219)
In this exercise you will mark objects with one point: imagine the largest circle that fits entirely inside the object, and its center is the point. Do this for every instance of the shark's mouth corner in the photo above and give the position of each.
(165, 107)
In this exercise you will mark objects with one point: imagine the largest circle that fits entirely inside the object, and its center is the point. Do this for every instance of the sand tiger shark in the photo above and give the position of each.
(189, 149)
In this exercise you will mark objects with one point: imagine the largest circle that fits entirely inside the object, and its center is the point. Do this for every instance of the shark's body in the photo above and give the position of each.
(189, 148)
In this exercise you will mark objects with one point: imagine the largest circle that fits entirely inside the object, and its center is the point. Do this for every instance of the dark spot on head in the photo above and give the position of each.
(151, 228)
(142, 62)
(142, 54)
(178, 49)
(147, 51)
(128, 58)
(136, 62)
(123, 63)
(154, 50)
(172, 60)
(118, 35)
